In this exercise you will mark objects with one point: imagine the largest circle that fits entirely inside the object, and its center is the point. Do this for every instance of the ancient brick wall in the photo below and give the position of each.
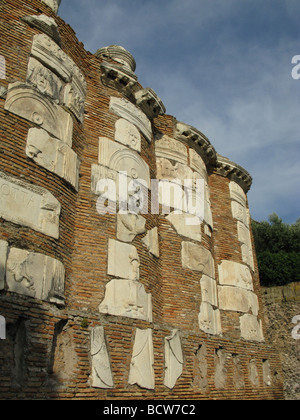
(106, 306)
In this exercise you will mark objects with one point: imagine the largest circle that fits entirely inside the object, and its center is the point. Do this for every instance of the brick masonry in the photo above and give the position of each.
(46, 353)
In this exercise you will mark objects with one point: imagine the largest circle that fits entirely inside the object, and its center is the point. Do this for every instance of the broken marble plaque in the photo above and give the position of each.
(235, 274)
(127, 134)
(32, 105)
(127, 298)
(197, 258)
(123, 261)
(101, 369)
(129, 225)
(142, 361)
(35, 275)
(151, 242)
(209, 319)
(29, 205)
(251, 328)
(173, 359)
(53, 155)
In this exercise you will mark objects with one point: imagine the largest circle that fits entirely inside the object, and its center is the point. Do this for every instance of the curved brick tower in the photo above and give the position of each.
(145, 304)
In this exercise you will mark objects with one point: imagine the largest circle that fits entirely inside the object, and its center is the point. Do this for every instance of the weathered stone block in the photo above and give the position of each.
(151, 242)
(141, 368)
(237, 299)
(173, 359)
(251, 328)
(101, 369)
(209, 319)
(32, 105)
(123, 261)
(125, 109)
(235, 274)
(29, 205)
(35, 275)
(197, 258)
(127, 298)
(127, 134)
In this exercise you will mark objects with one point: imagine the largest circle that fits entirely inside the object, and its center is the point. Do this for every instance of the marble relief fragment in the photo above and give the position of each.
(197, 258)
(101, 369)
(127, 134)
(151, 242)
(142, 361)
(173, 359)
(127, 298)
(129, 226)
(123, 261)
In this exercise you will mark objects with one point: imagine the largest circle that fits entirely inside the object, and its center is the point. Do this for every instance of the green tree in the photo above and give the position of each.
(278, 250)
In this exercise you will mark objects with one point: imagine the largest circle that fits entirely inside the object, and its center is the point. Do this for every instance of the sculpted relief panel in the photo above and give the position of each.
(141, 368)
(29, 205)
(31, 274)
(101, 370)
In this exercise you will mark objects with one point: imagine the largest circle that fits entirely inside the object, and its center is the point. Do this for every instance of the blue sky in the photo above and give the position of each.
(223, 66)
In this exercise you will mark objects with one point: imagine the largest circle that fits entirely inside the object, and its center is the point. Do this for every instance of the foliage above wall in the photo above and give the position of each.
(278, 251)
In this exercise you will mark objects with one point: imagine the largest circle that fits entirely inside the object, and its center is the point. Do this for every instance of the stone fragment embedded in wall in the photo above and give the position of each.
(267, 376)
(237, 299)
(221, 358)
(45, 24)
(246, 244)
(197, 164)
(123, 261)
(209, 290)
(130, 225)
(251, 328)
(44, 80)
(168, 148)
(238, 375)
(35, 275)
(53, 155)
(127, 134)
(237, 194)
(53, 4)
(123, 160)
(239, 212)
(125, 109)
(173, 359)
(29, 205)
(209, 319)
(150, 103)
(142, 361)
(197, 258)
(101, 369)
(151, 242)
(32, 105)
(183, 224)
(3, 259)
(55, 59)
(127, 298)
(235, 274)
(253, 373)
(118, 77)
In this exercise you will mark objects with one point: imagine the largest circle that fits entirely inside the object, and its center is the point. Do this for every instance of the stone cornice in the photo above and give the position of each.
(234, 172)
(119, 77)
(197, 140)
(148, 101)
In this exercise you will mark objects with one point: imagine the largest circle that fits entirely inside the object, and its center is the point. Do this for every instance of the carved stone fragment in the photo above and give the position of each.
(123, 160)
(45, 24)
(32, 105)
(129, 226)
(237, 193)
(151, 242)
(125, 109)
(197, 258)
(53, 4)
(235, 274)
(149, 103)
(53, 155)
(44, 79)
(168, 148)
(35, 275)
(209, 290)
(237, 299)
(101, 369)
(28, 205)
(141, 368)
(127, 298)
(209, 319)
(186, 225)
(123, 261)
(251, 328)
(173, 359)
(127, 134)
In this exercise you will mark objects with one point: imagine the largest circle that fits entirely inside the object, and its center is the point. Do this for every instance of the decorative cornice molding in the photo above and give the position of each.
(197, 140)
(119, 78)
(234, 172)
(150, 103)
